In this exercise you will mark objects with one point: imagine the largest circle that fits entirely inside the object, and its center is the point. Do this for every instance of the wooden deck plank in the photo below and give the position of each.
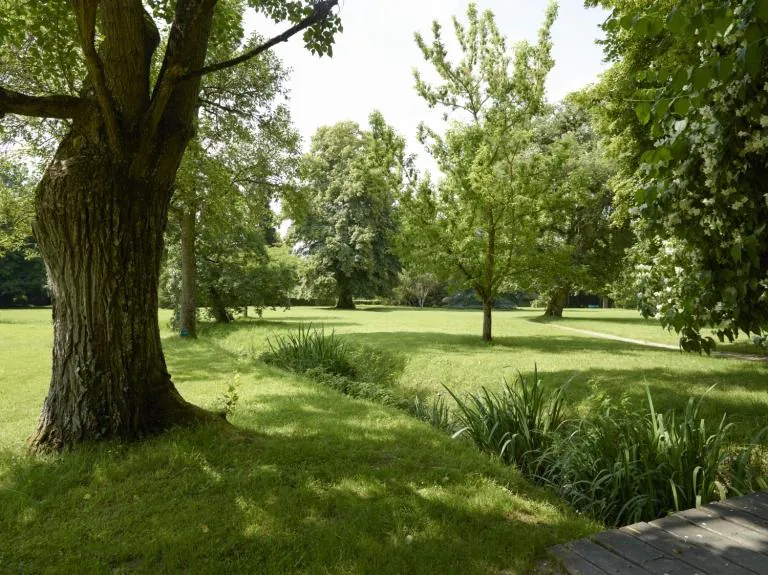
(725, 538)
(574, 563)
(748, 504)
(760, 496)
(648, 557)
(607, 561)
(701, 560)
(743, 518)
(738, 552)
(745, 537)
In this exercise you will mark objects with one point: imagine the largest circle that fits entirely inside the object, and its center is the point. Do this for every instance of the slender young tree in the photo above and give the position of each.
(478, 219)
(245, 151)
(102, 204)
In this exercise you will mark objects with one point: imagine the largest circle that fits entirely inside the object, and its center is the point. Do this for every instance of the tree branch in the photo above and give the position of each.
(320, 13)
(223, 108)
(85, 13)
(57, 106)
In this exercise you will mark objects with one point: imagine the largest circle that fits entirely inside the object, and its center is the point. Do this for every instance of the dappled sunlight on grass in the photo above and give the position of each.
(306, 479)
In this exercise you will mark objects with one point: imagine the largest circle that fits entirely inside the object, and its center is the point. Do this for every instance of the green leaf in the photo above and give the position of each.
(643, 111)
(682, 106)
(661, 108)
(701, 77)
(677, 23)
(680, 79)
(761, 10)
(725, 68)
(628, 21)
(736, 252)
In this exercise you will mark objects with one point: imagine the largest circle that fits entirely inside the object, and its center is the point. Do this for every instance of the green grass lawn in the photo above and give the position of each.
(311, 481)
(630, 324)
(307, 481)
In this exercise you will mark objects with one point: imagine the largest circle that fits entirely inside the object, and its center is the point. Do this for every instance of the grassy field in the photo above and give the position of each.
(308, 480)
(630, 324)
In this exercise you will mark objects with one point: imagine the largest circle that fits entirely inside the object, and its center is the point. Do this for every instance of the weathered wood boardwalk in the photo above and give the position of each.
(725, 538)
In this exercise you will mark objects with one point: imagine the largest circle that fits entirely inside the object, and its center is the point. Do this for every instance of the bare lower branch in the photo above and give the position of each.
(57, 106)
(320, 13)
(85, 12)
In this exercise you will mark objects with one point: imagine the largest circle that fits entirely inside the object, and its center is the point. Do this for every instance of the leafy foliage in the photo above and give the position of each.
(435, 412)
(623, 466)
(695, 72)
(619, 464)
(518, 424)
(344, 219)
(581, 243)
(309, 348)
(358, 371)
(478, 222)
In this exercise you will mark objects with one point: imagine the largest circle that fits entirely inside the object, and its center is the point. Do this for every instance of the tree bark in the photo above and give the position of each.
(218, 309)
(557, 301)
(101, 234)
(188, 312)
(487, 319)
(344, 300)
(101, 211)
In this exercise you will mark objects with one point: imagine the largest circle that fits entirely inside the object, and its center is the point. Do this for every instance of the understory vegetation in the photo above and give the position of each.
(619, 465)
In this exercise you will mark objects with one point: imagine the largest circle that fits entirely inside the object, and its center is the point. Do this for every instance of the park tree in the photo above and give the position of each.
(479, 220)
(244, 153)
(344, 217)
(694, 77)
(102, 204)
(581, 240)
(22, 273)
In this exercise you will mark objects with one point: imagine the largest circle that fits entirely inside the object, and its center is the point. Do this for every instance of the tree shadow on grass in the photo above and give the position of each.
(413, 342)
(309, 483)
(602, 319)
(213, 329)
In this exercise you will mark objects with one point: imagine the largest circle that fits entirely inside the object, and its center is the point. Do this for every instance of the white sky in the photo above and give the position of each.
(373, 60)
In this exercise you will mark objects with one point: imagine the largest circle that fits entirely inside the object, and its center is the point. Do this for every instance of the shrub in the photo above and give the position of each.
(517, 425)
(434, 412)
(361, 372)
(308, 348)
(624, 466)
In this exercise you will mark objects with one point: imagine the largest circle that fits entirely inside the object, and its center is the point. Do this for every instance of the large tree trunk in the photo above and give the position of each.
(101, 210)
(188, 315)
(558, 298)
(101, 234)
(344, 300)
(487, 320)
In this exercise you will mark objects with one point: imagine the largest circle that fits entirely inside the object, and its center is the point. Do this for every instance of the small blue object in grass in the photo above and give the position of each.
(184, 332)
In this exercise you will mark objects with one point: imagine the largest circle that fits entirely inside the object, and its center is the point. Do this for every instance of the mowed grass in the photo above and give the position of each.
(305, 481)
(630, 324)
(443, 347)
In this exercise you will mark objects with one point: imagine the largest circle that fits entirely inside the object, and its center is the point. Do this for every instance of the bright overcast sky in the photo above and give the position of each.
(373, 60)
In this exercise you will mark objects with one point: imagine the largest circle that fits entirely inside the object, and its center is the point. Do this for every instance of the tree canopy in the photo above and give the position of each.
(479, 221)
(344, 217)
(689, 85)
